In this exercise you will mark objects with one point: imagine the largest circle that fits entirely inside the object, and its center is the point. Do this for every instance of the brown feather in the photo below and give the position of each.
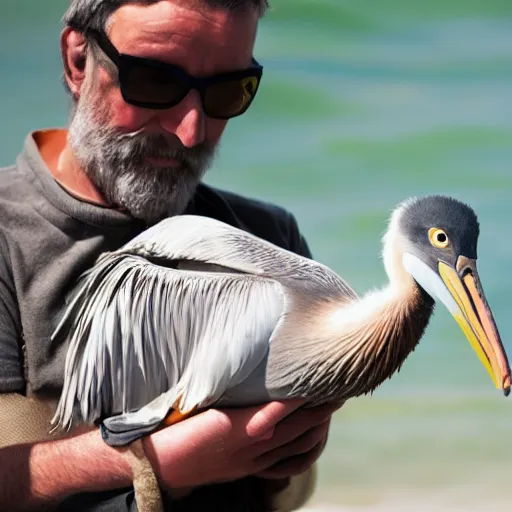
(354, 358)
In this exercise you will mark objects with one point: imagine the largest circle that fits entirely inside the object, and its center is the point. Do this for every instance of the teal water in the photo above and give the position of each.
(363, 105)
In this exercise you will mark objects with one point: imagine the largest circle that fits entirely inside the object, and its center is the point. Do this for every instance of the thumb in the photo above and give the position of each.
(261, 424)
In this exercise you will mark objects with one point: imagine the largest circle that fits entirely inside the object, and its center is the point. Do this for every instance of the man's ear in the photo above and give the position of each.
(73, 48)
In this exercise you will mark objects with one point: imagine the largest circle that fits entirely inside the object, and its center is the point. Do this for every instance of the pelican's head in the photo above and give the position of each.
(437, 238)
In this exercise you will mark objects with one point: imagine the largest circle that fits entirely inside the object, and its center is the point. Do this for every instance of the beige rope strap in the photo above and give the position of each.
(145, 483)
(24, 420)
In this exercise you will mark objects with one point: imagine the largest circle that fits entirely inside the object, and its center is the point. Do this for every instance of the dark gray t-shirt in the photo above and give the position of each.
(48, 238)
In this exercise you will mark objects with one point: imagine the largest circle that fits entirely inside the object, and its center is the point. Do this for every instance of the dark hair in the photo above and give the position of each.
(83, 15)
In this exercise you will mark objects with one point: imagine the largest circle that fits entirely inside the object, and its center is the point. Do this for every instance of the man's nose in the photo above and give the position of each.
(185, 120)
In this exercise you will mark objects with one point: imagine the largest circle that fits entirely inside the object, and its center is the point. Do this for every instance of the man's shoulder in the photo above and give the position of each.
(18, 195)
(262, 218)
(8, 175)
(11, 183)
(10, 171)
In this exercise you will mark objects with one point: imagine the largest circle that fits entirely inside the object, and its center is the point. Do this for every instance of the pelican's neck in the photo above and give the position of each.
(366, 341)
(394, 246)
(371, 339)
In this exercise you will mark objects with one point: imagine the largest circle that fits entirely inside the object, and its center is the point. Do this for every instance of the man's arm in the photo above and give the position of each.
(214, 446)
(35, 475)
(32, 475)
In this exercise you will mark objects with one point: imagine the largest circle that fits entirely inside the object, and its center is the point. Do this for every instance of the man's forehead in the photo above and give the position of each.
(175, 31)
(164, 14)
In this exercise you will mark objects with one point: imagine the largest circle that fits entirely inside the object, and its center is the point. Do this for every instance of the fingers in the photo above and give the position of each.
(270, 421)
(247, 425)
(300, 445)
(296, 464)
(292, 427)
(261, 424)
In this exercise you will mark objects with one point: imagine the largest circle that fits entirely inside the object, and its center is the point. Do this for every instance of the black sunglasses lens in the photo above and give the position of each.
(231, 97)
(152, 86)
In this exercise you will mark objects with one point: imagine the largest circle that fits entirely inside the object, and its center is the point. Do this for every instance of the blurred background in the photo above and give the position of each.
(363, 104)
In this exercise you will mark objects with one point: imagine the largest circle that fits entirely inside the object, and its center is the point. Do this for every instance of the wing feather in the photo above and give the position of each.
(202, 239)
(137, 330)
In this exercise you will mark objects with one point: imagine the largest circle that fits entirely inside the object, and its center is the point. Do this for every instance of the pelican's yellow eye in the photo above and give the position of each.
(438, 238)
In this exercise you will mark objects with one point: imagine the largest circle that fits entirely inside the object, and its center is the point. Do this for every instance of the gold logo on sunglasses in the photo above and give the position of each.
(249, 85)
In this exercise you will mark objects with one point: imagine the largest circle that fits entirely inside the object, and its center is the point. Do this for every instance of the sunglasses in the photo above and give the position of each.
(154, 84)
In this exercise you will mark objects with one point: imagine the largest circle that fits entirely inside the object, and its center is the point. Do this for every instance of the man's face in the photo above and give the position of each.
(150, 161)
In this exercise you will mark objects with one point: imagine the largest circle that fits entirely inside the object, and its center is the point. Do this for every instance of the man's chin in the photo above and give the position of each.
(153, 207)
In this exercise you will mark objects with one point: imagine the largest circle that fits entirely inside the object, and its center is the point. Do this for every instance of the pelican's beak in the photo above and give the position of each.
(474, 316)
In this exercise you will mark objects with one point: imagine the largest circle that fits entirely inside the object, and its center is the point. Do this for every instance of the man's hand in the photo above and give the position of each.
(273, 441)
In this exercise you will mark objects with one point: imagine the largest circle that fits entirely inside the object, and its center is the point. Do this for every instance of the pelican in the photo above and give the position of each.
(194, 313)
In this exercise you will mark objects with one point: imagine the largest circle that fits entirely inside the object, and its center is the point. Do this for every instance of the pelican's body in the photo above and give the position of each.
(194, 313)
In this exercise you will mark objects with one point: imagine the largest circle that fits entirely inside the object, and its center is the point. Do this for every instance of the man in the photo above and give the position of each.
(143, 130)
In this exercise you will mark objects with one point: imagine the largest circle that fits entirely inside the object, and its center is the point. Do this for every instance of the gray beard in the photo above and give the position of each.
(116, 164)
